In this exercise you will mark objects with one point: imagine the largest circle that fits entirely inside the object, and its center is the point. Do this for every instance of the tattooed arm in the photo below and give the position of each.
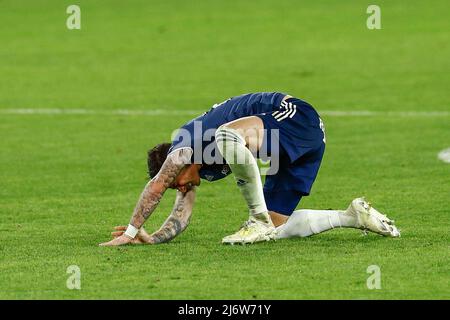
(178, 220)
(154, 190)
(176, 223)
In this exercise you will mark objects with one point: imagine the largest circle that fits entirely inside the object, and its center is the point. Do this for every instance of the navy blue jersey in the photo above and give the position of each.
(198, 133)
(295, 123)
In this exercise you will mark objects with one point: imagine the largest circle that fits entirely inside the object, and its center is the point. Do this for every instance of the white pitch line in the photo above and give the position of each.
(121, 112)
(172, 112)
(366, 113)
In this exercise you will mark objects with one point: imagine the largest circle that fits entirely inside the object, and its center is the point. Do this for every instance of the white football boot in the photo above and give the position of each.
(253, 230)
(369, 218)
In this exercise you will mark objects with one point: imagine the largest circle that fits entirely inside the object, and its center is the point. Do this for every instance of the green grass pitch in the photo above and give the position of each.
(66, 179)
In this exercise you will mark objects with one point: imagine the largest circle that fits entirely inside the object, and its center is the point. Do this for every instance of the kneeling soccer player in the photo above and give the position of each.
(283, 127)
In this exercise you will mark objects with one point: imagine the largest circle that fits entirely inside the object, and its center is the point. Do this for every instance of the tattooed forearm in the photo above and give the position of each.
(147, 203)
(154, 190)
(178, 220)
(172, 228)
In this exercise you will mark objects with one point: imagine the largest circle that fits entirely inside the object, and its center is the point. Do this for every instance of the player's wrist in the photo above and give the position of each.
(131, 231)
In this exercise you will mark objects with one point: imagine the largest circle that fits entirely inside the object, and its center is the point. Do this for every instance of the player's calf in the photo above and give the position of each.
(233, 148)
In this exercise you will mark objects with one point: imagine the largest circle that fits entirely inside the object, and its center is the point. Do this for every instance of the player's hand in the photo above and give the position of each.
(118, 241)
(141, 237)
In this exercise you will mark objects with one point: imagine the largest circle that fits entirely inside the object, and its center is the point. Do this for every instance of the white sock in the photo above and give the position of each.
(304, 223)
(233, 148)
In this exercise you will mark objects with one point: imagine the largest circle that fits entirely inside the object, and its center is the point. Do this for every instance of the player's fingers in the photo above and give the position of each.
(106, 244)
(116, 234)
(120, 228)
(116, 242)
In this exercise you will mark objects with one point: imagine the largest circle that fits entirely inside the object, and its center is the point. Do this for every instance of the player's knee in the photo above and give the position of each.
(226, 134)
(229, 143)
